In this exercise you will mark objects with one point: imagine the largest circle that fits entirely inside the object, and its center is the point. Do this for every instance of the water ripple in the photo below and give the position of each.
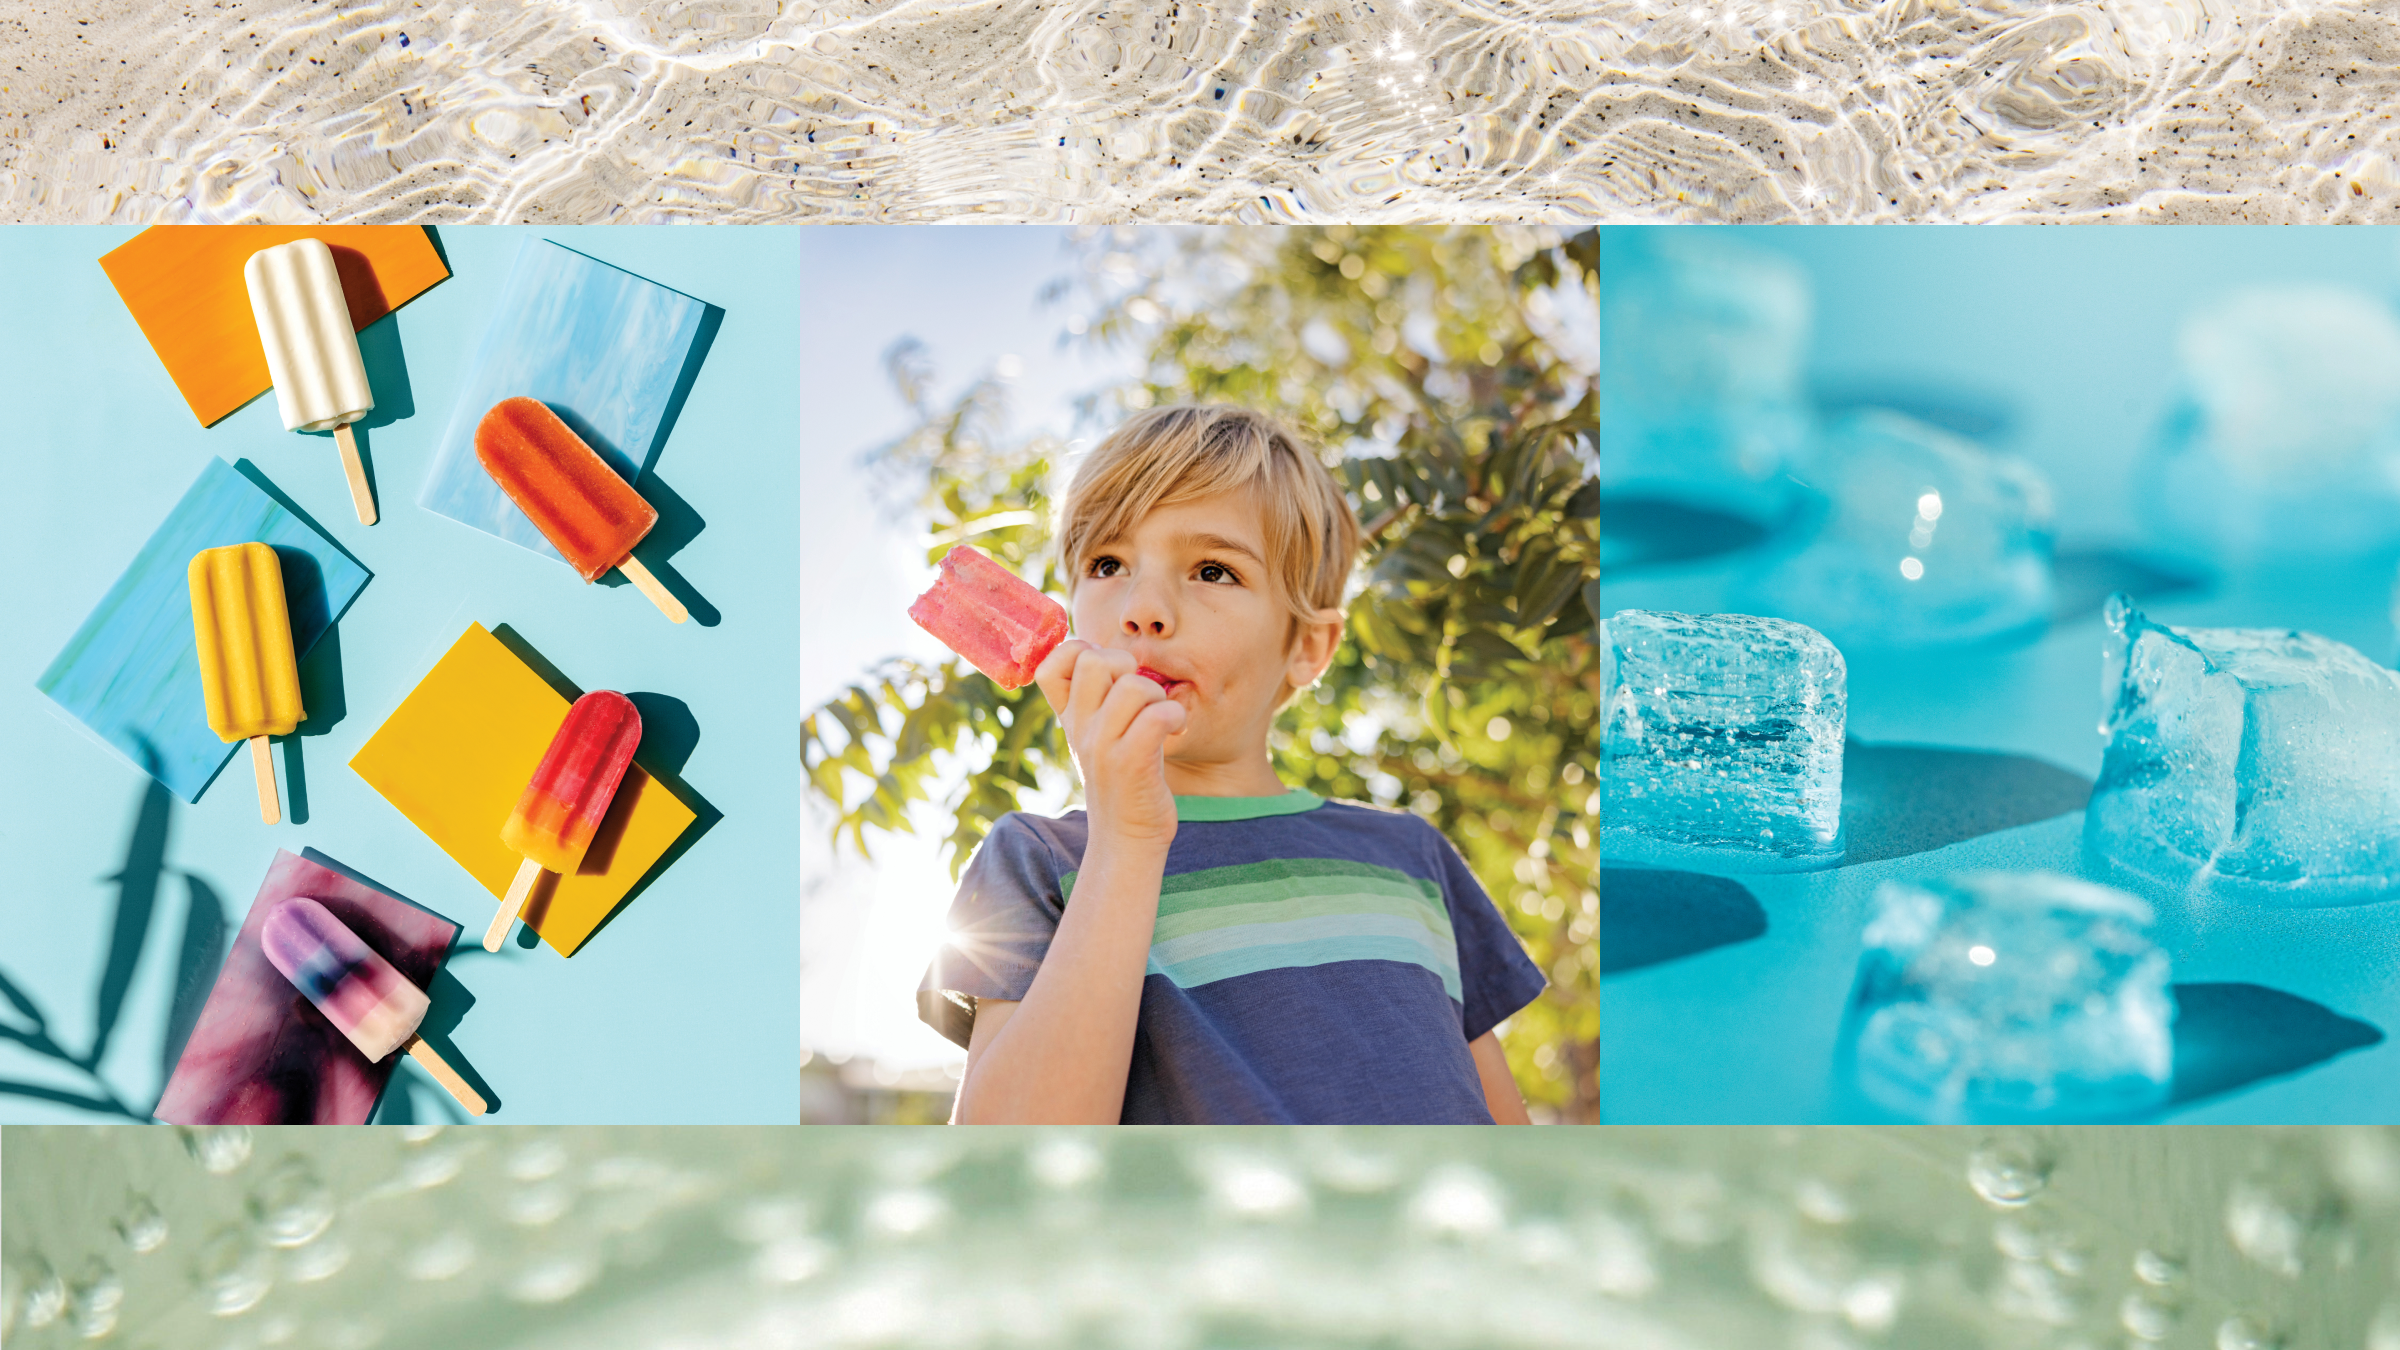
(748, 110)
(1994, 110)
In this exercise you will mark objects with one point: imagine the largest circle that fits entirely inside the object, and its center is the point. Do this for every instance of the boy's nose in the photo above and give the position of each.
(1147, 616)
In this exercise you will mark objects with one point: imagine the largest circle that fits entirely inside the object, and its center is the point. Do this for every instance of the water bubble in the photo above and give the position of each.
(555, 1278)
(2243, 1333)
(2036, 1293)
(219, 1148)
(537, 1206)
(445, 1257)
(1822, 1202)
(790, 1260)
(45, 1296)
(142, 1227)
(2147, 1317)
(98, 1296)
(1256, 1188)
(293, 1208)
(538, 1160)
(2153, 1267)
(420, 1134)
(1457, 1202)
(235, 1272)
(2008, 1173)
(905, 1213)
(318, 1260)
(1065, 1162)
(435, 1168)
(2272, 1214)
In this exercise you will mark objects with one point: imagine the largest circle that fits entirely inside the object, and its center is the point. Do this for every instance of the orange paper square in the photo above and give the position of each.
(460, 748)
(184, 285)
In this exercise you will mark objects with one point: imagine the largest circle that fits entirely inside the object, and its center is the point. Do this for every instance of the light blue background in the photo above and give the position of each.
(684, 1006)
(2070, 334)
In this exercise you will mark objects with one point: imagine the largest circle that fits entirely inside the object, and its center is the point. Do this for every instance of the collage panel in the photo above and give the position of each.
(2001, 723)
(403, 743)
(1633, 1238)
(1327, 496)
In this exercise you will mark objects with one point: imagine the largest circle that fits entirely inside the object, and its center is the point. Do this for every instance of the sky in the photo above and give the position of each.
(970, 296)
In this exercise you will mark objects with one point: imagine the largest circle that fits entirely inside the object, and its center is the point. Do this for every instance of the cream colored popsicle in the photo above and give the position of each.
(357, 990)
(248, 676)
(312, 351)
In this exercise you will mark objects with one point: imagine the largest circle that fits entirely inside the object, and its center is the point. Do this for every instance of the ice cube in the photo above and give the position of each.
(2284, 438)
(1703, 344)
(1722, 742)
(2248, 763)
(1915, 537)
(2011, 996)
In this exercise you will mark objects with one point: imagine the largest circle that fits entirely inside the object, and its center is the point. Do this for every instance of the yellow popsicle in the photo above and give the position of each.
(248, 675)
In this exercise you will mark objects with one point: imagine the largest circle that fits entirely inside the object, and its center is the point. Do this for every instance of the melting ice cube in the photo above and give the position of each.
(1917, 537)
(2250, 763)
(1721, 745)
(1703, 344)
(2285, 437)
(2012, 996)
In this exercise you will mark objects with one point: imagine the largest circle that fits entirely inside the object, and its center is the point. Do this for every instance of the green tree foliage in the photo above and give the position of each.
(1467, 685)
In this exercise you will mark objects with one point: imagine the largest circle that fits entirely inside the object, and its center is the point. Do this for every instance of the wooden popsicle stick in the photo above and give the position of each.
(527, 874)
(640, 577)
(360, 497)
(270, 807)
(448, 1077)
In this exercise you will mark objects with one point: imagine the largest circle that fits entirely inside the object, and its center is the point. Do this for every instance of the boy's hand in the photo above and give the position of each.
(1117, 724)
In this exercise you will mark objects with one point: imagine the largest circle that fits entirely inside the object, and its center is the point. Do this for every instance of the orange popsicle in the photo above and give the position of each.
(580, 505)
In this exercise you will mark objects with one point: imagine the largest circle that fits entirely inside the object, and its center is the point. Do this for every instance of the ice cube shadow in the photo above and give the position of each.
(1649, 916)
(1638, 532)
(2229, 1036)
(1899, 800)
(2082, 579)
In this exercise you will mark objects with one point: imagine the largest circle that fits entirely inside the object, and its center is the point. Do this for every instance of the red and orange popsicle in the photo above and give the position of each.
(589, 514)
(987, 614)
(561, 809)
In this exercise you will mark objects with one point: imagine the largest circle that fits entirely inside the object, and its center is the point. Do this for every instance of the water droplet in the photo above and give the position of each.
(98, 1295)
(555, 1278)
(236, 1272)
(539, 1160)
(1457, 1202)
(446, 1256)
(219, 1148)
(45, 1295)
(2273, 1214)
(2242, 1333)
(905, 1214)
(790, 1260)
(293, 1207)
(2008, 1173)
(1065, 1162)
(2154, 1267)
(537, 1206)
(1821, 1202)
(420, 1134)
(2147, 1317)
(320, 1260)
(435, 1168)
(1255, 1188)
(142, 1227)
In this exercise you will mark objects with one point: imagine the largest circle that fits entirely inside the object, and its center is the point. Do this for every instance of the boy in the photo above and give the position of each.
(1202, 944)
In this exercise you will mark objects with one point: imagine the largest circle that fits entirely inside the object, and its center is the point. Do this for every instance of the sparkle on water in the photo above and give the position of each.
(731, 111)
(1633, 1238)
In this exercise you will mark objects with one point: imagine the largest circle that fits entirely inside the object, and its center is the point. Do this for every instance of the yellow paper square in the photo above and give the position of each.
(460, 748)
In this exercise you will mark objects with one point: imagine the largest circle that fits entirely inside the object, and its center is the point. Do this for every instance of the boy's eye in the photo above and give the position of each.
(1103, 566)
(1218, 572)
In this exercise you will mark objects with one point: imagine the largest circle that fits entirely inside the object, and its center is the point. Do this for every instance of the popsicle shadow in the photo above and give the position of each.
(320, 673)
(1903, 799)
(259, 479)
(2228, 1036)
(678, 524)
(669, 735)
(1648, 917)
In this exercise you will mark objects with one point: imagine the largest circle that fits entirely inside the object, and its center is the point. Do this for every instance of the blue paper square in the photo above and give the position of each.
(131, 673)
(603, 347)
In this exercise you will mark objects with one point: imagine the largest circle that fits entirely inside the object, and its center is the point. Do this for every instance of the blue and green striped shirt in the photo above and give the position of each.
(1313, 961)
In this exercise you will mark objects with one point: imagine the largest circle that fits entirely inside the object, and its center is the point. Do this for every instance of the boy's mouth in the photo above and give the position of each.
(1167, 683)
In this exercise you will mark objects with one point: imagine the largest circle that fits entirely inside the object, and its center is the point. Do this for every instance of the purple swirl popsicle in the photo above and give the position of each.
(357, 990)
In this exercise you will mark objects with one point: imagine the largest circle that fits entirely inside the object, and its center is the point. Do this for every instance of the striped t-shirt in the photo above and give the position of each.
(1313, 962)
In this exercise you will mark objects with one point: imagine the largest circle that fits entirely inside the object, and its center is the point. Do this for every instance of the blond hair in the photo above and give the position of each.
(1167, 456)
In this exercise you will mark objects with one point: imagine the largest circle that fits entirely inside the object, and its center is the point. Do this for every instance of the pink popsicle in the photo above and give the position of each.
(561, 809)
(986, 614)
(357, 990)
